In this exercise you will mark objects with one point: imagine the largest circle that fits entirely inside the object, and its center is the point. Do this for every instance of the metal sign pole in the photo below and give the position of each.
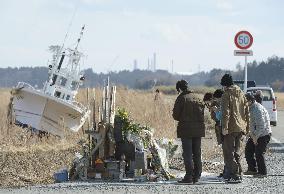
(243, 40)
(246, 75)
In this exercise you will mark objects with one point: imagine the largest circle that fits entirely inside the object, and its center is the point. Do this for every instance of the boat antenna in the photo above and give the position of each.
(79, 39)
(69, 26)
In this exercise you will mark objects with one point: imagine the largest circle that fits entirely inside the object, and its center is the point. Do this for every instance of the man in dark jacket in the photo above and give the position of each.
(189, 112)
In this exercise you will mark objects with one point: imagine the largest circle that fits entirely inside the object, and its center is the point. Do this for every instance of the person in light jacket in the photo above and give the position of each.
(259, 137)
(235, 124)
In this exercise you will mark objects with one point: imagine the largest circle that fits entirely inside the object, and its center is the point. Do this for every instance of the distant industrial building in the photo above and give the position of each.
(154, 62)
(135, 65)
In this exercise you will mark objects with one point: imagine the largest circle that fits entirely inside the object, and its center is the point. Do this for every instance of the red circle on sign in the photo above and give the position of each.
(240, 46)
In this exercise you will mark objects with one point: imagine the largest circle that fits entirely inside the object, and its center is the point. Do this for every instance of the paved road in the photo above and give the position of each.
(274, 183)
(278, 131)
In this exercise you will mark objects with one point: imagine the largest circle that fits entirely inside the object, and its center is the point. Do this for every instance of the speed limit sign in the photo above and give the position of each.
(243, 40)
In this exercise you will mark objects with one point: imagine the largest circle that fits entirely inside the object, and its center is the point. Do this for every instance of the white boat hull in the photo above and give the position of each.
(47, 113)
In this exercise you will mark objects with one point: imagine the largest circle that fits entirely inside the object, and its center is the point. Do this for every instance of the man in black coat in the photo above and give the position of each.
(189, 112)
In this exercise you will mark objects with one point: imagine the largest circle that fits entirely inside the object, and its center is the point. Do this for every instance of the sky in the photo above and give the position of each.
(197, 35)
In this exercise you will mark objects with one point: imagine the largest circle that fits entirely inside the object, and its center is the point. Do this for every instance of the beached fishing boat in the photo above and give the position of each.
(53, 108)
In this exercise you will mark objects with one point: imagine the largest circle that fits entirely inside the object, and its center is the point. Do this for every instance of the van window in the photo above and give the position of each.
(267, 95)
(240, 83)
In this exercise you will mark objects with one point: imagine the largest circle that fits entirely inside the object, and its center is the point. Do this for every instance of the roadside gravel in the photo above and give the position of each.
(274, 183)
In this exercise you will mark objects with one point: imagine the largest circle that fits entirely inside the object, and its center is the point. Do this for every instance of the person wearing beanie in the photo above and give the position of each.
(235, 123)
(189, 112)
(259, 137)
(227, 80)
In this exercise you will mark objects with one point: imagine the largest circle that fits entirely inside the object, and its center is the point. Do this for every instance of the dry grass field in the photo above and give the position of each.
(143, 109)
(25, 159)
(280, 100)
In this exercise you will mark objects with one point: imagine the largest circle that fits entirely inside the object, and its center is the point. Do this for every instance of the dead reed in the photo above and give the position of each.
(280, 100)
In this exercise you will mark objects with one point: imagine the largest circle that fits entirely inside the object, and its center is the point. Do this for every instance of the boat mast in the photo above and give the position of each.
(79, 39)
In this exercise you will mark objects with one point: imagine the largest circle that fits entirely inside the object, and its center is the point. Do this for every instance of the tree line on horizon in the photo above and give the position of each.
(268, 72)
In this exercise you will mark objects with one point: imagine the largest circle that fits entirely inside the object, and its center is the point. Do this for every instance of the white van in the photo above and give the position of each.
(268, 101)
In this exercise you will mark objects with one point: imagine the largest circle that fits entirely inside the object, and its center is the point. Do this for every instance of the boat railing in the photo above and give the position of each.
(81, 106)
(24, 85)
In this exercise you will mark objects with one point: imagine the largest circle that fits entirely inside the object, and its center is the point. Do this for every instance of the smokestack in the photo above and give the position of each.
(135, 65)
(154, 62)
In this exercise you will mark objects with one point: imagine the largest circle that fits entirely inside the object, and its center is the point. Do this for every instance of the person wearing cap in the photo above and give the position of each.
(189, 112)
(259, 137)
(235, 123)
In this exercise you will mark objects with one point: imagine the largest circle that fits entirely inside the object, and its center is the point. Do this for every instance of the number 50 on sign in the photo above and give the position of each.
(243, 40)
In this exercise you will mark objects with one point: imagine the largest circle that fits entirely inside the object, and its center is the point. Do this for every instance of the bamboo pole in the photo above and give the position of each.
(94, 109)
(103, 104)
(112, 111)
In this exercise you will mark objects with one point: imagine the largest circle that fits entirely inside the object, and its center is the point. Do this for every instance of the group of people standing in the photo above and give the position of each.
(237, 115)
